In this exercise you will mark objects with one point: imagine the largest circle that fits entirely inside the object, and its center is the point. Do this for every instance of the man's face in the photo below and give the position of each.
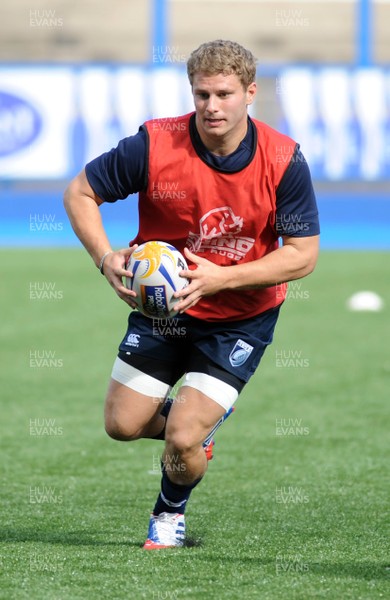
(221, 108)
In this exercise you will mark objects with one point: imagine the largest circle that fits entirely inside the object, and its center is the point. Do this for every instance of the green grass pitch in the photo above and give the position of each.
(293, 505)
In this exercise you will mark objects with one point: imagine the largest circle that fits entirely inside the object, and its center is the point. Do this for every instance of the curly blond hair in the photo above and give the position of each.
(222, 56)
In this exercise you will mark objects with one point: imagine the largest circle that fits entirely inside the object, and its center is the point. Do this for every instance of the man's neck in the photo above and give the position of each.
(224, 145)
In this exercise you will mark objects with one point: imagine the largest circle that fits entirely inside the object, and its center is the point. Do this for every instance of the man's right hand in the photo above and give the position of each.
(114, 270)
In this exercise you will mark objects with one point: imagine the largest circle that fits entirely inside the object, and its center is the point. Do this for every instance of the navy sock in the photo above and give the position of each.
(173, 497)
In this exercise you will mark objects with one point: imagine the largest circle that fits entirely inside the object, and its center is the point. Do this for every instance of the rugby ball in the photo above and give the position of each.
(156, 267)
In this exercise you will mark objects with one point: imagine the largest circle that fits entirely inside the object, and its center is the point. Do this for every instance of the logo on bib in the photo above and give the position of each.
(220, 233)
(240, 353)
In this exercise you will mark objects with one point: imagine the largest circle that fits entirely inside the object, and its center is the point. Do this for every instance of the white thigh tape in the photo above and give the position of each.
(219, 391)
(139, 382)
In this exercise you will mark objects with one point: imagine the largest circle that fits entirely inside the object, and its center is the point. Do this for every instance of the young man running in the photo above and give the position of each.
(243, 187)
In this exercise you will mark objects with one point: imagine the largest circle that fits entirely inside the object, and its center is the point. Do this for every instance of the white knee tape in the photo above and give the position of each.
(139, 382)
(219, 391)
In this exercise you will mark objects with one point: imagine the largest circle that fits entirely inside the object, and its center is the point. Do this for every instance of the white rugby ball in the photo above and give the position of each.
(156, 266)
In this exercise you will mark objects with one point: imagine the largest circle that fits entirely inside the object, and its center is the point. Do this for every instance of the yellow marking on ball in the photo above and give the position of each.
(153, 252)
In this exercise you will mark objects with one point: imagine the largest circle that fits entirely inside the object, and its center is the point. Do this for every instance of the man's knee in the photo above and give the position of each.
(123, 430)
(182, 441)
(121, 420)
(133, 404)
(129, 415)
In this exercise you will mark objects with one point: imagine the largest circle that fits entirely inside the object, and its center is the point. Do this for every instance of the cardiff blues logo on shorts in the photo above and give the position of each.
(240, 353)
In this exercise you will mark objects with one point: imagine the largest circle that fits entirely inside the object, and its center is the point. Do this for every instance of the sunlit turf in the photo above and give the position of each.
(294, 503)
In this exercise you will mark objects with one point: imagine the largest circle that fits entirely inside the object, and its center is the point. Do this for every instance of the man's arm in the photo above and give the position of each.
(82, 206)
(295, 259)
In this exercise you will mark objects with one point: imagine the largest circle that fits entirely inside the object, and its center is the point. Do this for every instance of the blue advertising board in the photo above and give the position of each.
(54, 119)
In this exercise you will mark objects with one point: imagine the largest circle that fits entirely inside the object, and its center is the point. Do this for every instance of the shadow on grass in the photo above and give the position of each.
(76, 538)
(73, 538)
(191, 542)
(358, 570)
(367, 570)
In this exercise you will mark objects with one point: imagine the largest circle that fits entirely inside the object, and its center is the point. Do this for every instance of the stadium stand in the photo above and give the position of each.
(119, 30)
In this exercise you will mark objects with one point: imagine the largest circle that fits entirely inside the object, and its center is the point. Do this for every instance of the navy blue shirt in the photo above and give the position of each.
(123, 171)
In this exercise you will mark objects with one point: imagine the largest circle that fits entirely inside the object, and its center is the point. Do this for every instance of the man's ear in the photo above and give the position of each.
(251, 92)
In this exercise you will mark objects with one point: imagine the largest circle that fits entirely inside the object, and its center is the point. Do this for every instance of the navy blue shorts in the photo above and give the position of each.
(168, 348)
